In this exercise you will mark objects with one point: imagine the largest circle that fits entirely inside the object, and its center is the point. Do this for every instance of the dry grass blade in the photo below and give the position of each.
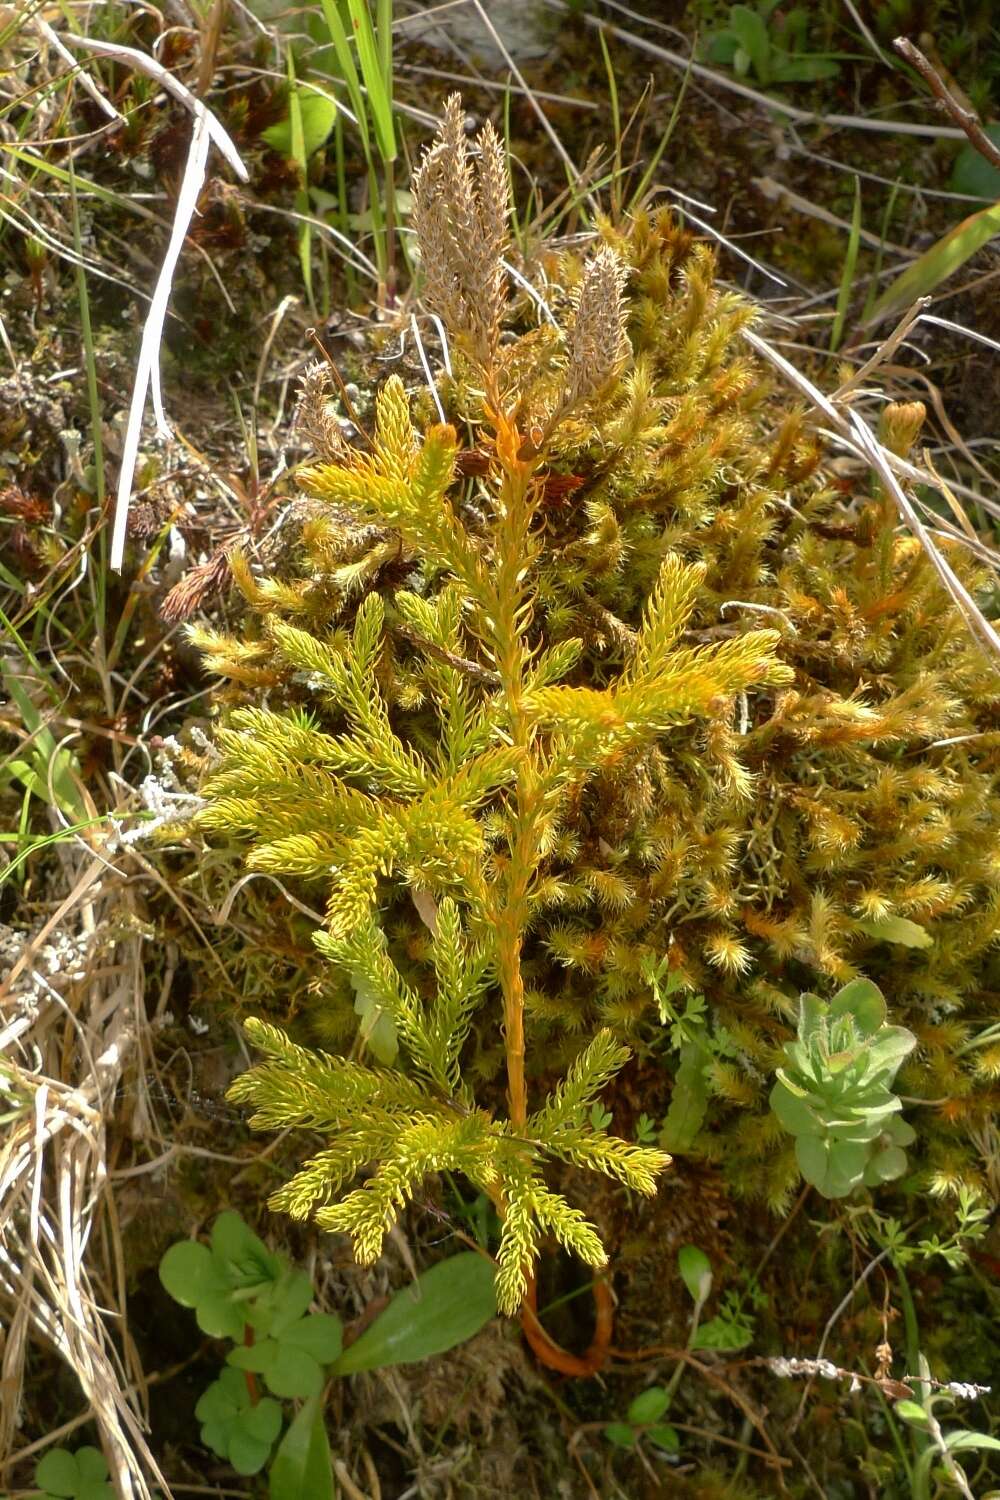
(67, 1038)
(861, 441)
(207, 130)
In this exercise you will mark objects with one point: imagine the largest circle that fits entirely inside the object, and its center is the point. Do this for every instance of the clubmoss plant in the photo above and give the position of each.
(464, 800)
(513, 711)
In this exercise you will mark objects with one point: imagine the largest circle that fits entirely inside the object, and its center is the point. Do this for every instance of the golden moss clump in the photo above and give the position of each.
(798, 822)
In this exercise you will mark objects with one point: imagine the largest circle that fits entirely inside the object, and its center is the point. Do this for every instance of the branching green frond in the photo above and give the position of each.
(636, 1166)
(667, 610)
(292, 737)
(588, 1075)
(690, 682)
(470, 786)
(435, 620)
(519, 1232)
(308, 855)
(305, 651)
(326, 1173)
(362, 950)
(301, 1086)
(373, 748)
(406, 493)
(371, 853)
(421, 1147)
(463, 973)
(554, 663)
(571, 1228)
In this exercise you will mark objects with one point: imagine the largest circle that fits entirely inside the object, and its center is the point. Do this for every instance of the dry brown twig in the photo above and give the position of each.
(964, 118)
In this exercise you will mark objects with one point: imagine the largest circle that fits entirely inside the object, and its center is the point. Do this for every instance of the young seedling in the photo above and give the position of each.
(834, 1093)
(82, 1475)
(242, 1291)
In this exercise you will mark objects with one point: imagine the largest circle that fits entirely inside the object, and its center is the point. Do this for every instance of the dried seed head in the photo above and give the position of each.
(900, 425)
(460, 217)
(598, 343)
(315, 417)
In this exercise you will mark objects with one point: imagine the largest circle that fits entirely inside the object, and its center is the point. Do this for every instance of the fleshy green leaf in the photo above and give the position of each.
(444, 1307)
(291, 1372)
(621, 1434)
(794, 1113)
(812, 1155)
(665, 1437)
(318, 113)
(696, 1271)
(247, 1454)
(262, 1421)
(688, 1100)
(302, 1465)
(864, 1001)
(187, 1272)
(320, 1335)
(899, 930)
(57, 1472)
(648, 1406)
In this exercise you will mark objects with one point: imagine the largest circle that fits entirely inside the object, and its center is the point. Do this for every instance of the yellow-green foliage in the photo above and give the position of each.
(619, 677)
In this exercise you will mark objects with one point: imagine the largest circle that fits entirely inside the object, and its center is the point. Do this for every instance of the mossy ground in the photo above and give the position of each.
(487, 1420)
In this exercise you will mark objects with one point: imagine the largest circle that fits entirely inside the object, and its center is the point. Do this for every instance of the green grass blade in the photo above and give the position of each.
(378, 86)
(940, 261)
(302, 164)
(654, 160)
(348, 72)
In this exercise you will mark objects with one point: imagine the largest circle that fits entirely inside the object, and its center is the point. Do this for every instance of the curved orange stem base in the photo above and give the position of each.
(551, 1354)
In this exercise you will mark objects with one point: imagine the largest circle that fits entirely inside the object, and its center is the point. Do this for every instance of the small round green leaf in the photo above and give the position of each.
(292, 1296)
(186, 1272)
(91, 1463)
(57, 1472)
(665, 1437)
(215, 1435)
(246, 1454)
(219, 1316)
(648, 1406)
(263, 1421)
(223, 1398)
(320, 1335)
(257, 1357)
(244, 1258)
(293, 1373)
(621, 1434)
(890, 1163)
(94, 1489)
